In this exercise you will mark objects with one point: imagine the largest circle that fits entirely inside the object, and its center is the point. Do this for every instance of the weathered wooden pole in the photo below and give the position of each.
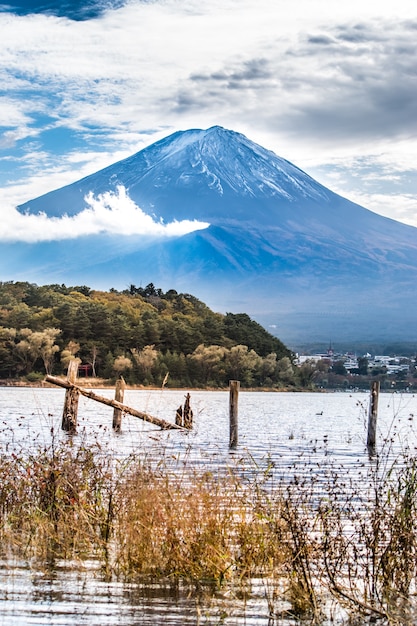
(234, 386)
(179, 420)
(70, 412)
(184, 416)
(188, 413)
(119, 397)
(373, 414)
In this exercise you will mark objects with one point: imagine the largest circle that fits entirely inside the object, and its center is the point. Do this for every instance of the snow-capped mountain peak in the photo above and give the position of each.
(269, 240)
(215, 160)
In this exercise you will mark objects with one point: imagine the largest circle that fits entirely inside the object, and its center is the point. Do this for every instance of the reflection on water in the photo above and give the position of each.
(290, 433)
(65, 595)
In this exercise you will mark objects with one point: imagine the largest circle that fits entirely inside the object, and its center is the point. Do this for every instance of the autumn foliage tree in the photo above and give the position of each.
(140, 333)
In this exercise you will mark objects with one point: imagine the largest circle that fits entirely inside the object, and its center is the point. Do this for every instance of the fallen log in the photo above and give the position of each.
(116, 405)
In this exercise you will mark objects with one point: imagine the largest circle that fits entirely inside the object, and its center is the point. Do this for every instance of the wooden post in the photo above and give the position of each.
(184, 416)
(70, 412)
(234, 386)
(373, 413)
(187, 413)
(119, 397)
(179, 420)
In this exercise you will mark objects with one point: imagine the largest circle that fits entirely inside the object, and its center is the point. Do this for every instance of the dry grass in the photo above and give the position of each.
(356, 543)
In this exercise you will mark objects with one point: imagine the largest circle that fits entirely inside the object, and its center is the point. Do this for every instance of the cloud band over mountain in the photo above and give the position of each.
(109, 213)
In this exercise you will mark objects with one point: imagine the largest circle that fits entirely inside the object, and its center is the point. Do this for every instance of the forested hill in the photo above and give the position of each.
(143, 334)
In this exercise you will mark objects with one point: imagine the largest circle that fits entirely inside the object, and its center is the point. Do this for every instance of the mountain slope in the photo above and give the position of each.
(279, 246)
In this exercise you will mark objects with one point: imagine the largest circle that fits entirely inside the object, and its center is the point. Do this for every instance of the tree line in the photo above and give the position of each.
(144, 334)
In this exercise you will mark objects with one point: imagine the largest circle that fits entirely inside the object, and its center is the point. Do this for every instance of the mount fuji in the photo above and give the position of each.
(303, 261)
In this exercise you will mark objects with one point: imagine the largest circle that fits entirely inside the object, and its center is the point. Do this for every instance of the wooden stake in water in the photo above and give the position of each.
(188, 413)
(373, 414)
(234, 386)
(184, 416)
(119, 397)
(70, 412)
(179, 420)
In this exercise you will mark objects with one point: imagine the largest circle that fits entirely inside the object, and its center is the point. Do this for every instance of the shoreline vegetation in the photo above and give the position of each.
(311, 543)
(362, 384)
(152, 338)
(144, 335)
(98, 383)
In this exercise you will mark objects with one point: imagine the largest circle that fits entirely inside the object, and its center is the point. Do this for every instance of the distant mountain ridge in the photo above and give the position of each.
(280, 246)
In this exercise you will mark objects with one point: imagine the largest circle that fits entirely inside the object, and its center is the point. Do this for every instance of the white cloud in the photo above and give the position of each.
(111, 213)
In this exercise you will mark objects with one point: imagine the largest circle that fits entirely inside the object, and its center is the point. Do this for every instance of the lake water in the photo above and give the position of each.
(290, 429)
(293, 432)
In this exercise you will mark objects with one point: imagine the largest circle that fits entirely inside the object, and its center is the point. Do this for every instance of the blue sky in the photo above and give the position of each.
(331, 88)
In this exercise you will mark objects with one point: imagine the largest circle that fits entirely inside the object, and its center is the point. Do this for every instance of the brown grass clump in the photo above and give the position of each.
(173, 527)
(54, 503)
